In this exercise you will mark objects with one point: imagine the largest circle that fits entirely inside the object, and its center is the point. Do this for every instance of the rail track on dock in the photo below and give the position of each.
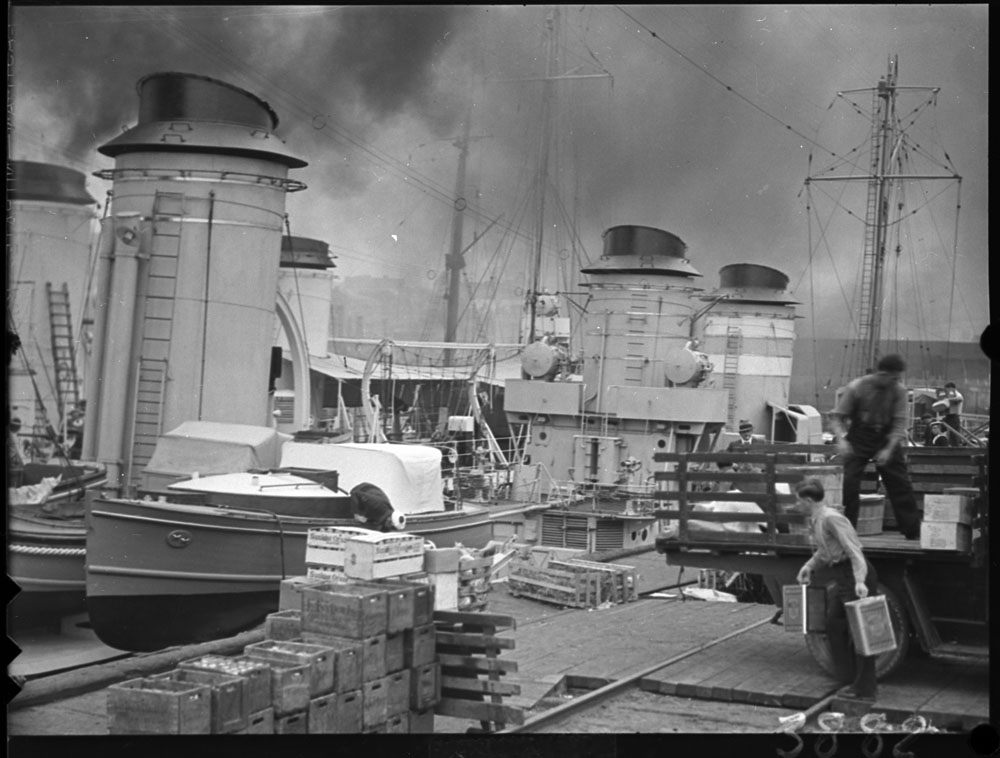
(574, 711)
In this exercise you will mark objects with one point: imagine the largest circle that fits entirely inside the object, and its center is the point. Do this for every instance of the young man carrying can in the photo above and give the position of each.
(840, 566)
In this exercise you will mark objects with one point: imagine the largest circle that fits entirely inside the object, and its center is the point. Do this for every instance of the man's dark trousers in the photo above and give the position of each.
(865, 443)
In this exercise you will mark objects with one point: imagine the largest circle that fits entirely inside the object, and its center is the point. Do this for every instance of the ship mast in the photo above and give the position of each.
(455, 261)
(887, 148)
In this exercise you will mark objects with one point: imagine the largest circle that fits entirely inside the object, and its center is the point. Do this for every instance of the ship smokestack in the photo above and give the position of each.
(188, 266)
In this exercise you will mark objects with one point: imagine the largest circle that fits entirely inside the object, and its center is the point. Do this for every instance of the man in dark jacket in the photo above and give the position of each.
(870, 423)
(371, 508)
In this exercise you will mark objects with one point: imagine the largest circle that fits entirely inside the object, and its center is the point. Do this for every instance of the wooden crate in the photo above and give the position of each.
(347, 666)
(400, 599)
(395, 659)
(425, 686)
(290, 592)
(398, 694)
(418, 646)
(380, 556)
(283, 625)
(941, 535)
(623, 580)
(421, 722)
(318, 658)
(261, 722)
(229, 696)
(289, 688)
(374, 702)
(158, 706)
(423, 600)
(398, 723)
(322, 712)
(573, 589)
(256, 672)
(347, 718)
(954, 509)
(468, 652)
(325, 544)
(344, 610)
(292, 723)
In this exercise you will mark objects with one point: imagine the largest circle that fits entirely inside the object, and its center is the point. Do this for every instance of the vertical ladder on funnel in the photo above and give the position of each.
(730, 370)
(156, 326)
(63, 355)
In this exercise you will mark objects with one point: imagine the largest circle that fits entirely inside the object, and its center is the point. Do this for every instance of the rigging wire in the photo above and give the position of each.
(720, 82)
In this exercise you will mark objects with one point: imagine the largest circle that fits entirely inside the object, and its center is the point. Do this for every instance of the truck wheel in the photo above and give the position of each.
(886, 663)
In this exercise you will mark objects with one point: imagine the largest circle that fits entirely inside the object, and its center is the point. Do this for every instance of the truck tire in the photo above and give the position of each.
(886, 663)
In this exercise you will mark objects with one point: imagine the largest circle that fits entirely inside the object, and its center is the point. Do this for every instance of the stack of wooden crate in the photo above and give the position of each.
(343, 654)
(947, 522)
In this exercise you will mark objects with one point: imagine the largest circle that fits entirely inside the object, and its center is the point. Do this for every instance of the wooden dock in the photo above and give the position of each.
(761, 666)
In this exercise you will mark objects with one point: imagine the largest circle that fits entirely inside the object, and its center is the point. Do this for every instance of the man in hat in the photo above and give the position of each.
(869, 423)
(746, 437)
(953, 414)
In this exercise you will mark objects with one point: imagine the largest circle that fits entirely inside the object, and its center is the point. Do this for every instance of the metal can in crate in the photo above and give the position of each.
(159, 706)
(871, 625)
(318, 658)
(344, 610)
(256, 672)
(229, 696)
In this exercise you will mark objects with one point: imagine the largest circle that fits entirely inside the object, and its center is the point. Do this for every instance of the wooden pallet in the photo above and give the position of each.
(574, 588)
(468, 651)
(619, 585)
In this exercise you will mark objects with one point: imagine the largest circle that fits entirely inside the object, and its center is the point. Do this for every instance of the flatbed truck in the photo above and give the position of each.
(938, 599)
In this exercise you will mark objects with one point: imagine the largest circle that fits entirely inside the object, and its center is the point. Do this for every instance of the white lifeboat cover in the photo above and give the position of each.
(410, 475)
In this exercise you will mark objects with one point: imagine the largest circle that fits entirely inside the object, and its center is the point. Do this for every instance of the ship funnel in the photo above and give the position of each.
(192, 113)
(44, 182)
(185, 326)
(752, 283)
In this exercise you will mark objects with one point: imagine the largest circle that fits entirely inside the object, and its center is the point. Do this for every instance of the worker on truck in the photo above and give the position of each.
(869, 422)
(838, 564)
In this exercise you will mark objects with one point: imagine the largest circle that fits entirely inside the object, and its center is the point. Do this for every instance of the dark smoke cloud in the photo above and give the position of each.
(85, 62)
(388, 53)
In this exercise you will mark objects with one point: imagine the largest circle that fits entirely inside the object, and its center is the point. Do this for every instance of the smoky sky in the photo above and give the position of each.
(707, 130)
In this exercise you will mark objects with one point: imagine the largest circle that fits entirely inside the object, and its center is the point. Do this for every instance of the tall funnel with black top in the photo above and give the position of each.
(189, 261)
